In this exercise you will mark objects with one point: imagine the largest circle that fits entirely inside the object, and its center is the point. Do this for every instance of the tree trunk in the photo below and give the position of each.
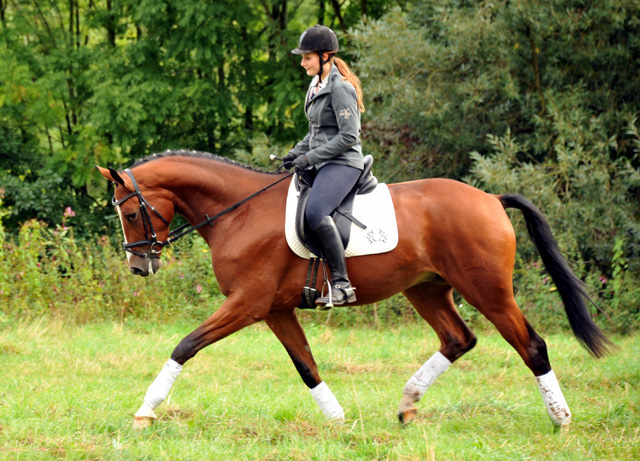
(111, 29)
(222, 120)
(247, 65)
(535, 65)
(336, 9)
(77, 25)
(3, 7)
(71, 21)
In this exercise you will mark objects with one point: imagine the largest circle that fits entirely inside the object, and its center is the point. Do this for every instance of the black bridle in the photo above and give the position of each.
(150, 234)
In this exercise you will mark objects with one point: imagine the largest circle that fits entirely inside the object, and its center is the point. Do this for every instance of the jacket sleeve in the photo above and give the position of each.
(345, 106)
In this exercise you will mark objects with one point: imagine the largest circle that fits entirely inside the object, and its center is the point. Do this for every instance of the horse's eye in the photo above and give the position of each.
(131, 216)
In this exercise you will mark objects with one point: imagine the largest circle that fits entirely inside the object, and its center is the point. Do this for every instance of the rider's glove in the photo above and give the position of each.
(301, 163)
(287, 160)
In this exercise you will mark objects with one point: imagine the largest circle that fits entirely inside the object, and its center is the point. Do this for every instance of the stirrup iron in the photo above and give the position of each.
(348, 297)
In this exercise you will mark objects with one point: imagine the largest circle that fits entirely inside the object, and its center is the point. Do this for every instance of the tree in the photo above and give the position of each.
(520, 97)
(443, 75)
(85, 82)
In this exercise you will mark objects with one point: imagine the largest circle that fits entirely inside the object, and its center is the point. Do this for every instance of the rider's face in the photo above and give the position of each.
(311, 63)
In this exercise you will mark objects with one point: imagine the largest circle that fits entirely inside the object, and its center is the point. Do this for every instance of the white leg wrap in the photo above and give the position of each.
(553, 399)
(160, 388)
(146, 411)
(426, 375)
(327, 402)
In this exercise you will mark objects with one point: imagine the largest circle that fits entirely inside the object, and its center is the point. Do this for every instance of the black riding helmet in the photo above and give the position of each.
(318, 39)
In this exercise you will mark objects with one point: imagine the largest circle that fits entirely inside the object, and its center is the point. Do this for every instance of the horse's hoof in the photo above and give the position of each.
(562, 429)
(407, 411)
(142, 422)
(405, 417)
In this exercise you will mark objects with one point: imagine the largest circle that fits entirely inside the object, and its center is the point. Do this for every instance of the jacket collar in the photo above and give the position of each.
(326, 89)
(332, 74)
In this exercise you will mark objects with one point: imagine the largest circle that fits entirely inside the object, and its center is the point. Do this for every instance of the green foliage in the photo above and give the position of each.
(585, 197)
(622, 291)
(48, 272)
(103, 82)
(440, 76)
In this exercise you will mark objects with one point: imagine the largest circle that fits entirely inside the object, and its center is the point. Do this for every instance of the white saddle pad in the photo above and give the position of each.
(375, 210)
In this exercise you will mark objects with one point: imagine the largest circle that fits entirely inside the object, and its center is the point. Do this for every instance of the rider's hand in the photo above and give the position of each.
(301, 163)
(287, 160)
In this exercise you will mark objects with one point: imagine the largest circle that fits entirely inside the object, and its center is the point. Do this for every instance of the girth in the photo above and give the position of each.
(342, 216)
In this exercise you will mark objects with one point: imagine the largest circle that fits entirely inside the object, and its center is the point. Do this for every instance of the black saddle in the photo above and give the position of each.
(342, 216)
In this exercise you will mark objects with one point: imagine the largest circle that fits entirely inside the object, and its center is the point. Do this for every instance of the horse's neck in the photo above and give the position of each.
(211, 187)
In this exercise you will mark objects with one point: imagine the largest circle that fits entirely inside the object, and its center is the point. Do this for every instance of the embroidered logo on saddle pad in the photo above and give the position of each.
(375, 210)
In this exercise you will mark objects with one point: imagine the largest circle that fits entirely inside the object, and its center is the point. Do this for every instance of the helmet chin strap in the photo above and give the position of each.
(322, 63)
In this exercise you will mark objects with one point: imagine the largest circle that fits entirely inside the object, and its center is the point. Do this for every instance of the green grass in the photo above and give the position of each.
(70, 392)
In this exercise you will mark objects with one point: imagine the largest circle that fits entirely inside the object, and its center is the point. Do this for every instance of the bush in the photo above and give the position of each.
(586, 198)
(47, 272)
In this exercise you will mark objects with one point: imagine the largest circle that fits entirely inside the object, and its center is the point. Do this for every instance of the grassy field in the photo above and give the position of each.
(70, 392)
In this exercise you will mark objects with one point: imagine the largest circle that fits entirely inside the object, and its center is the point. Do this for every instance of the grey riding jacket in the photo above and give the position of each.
(334, 124)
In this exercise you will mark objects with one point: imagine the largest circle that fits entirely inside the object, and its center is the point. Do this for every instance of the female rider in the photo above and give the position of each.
(332, 146)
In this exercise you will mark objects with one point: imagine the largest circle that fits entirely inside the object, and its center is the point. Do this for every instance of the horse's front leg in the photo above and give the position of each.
(233, 315)
(287, 328)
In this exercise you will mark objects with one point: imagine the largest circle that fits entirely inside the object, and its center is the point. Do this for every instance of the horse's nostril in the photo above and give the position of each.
(138, 271)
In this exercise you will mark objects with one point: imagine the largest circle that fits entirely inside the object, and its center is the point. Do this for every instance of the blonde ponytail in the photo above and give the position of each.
(352, 78)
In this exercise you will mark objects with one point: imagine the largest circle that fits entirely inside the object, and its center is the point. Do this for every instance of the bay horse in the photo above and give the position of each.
(451, 236)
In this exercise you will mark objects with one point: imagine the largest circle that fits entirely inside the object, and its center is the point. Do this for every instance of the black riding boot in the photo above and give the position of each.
(333, 252)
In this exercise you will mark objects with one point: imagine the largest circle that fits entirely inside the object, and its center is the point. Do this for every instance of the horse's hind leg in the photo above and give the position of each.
(287, 328)
(496, 302)
(434, 302)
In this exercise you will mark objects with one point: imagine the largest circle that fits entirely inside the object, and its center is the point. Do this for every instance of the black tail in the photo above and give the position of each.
(571, 288)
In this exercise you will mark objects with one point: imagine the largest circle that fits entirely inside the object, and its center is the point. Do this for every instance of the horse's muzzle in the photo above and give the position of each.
(144, 266)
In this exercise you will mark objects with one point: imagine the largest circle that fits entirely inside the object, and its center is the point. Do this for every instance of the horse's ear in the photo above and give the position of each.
(116, 177)
(111, 175)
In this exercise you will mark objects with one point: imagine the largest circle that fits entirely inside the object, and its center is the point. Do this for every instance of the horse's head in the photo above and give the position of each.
(145, 221)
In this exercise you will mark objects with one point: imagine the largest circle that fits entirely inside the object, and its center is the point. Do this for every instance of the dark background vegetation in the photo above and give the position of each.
(528, 97)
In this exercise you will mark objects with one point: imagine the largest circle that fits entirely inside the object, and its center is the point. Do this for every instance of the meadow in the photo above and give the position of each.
(69, 391)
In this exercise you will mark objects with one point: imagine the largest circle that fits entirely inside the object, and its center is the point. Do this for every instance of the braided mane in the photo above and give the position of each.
(195, 154)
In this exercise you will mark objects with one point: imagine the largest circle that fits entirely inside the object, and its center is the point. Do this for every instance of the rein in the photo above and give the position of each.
(180, 231)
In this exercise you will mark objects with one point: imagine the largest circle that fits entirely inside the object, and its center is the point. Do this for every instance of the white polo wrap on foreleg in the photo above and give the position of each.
(160, 388)
(426, 375)
(554, 399)
(327, 402)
